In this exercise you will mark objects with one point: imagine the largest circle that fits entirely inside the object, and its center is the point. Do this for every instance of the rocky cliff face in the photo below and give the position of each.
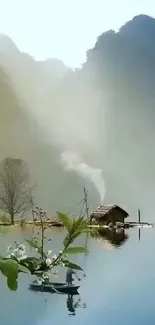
(104, 112)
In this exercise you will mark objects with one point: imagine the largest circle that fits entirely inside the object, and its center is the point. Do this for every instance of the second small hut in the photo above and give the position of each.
(108, 213)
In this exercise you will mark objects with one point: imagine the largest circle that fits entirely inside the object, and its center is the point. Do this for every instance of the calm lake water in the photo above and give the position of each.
(119, 287)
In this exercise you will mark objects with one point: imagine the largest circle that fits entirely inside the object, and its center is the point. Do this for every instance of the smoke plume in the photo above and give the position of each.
(72, 161)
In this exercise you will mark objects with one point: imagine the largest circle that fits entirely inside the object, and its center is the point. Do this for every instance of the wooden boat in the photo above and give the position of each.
(54, 287)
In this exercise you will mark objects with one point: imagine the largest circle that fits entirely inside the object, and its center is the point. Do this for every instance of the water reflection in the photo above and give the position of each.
(74, 303)
(114, 237)
(119, 287)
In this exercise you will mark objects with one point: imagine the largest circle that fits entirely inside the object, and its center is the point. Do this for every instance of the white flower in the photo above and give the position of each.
(62, 264)
(45, 276)
(49, 252)
(60, 252)
(22, 257)
(17, 244)
(39, 281)
(54, 257)
(19, 252)
(16, 252)
(48, 262)
(22, 247)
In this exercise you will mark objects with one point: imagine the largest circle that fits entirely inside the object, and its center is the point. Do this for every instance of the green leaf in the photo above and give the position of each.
(74, 236)
(32, 263)
(66, 240)
(35, 245)
(32, 243)
(78, 226)
(12, 283)
(72, 265)
(65, 219)
(69, 239)
(86, 230)
(9, 268)
(31, 259)
(75, 250)
(23, 269)
(14, 258)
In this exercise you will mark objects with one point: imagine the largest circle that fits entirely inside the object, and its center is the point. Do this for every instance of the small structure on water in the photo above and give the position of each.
(109, 213)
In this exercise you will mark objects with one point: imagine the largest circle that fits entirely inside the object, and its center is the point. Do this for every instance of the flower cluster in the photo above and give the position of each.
(19, 251)
(49, 261)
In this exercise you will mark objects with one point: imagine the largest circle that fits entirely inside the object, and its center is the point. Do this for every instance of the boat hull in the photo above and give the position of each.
(54, 287)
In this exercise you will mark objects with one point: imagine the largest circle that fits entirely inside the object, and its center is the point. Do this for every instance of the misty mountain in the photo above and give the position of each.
(123, 67)
(29, 128)
(103, 112)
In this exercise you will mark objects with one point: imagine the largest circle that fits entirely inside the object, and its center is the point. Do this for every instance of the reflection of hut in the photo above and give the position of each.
(115, 237)
(109, 214)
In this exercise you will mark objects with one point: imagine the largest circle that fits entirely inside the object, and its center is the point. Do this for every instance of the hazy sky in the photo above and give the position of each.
(65, 29)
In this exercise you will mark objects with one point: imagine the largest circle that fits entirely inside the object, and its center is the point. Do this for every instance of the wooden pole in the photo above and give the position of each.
(86, 202)
(32, 206)
(87, 213)
(139, 232)
(139, 216)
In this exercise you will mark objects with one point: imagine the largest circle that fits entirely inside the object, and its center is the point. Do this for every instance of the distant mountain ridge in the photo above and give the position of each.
(104, 111)
(123, 65)
(28, 91)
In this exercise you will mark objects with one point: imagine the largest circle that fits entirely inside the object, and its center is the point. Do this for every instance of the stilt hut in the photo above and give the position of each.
(108, 213)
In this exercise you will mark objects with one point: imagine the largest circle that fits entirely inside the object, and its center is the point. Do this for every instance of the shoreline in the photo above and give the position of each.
(92, 226)
(36, 223)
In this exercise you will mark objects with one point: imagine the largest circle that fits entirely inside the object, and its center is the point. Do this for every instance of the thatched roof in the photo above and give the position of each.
(103, 210)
